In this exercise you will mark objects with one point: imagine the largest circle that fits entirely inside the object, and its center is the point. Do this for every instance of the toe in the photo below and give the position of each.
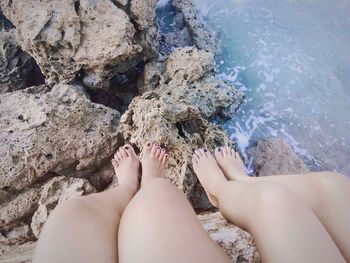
(199, 153)
(165, 159)
(195, 159)
(130, 150)
(157, 152)
(124, 153)
(203, 153)
(154, 149)
(120, 155)
(115, 164)
(162, 153)
(233, 153)
(147, 147)
(227, 151)
(117, 159)
(218, 152)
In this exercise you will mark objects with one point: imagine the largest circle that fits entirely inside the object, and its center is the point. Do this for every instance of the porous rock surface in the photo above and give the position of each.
(237, 243)
(202, 37)
(67, 37)
(183, 94)
(274, 156)
(17, 69)
(60, 131)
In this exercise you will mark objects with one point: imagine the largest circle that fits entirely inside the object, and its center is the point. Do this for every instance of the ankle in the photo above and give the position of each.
(129, 191)
(216, 187)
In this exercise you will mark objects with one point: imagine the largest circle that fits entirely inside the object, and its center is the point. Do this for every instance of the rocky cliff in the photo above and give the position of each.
(78, 79)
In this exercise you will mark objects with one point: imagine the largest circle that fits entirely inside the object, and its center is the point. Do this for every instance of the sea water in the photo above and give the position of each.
(292, 60)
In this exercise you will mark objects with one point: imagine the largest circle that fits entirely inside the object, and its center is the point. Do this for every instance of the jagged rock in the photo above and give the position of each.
(151, 77)
(180, 38)
(274, 157)
(71, 36)
(201, 36)
(60, 131)
(19, 208)
(174, 114)
(188, 76)
(17, 69)
(237, 243)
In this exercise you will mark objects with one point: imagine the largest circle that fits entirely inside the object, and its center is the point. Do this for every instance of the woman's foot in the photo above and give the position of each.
(154, 162)
(208, 173)
(126, 165)
(231, 164)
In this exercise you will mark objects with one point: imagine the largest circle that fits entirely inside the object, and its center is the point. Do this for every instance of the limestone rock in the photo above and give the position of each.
(19, 208)
(202, 37)
(17, 69)
(274, 157)
(188, 76)
(237, 243)
(71, 36)
(174, 114)
(60, 131)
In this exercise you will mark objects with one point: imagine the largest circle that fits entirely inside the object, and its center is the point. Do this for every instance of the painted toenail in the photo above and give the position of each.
(163, 150)
(148, 144)
(126, 147)
(205, 150)
(219, 149)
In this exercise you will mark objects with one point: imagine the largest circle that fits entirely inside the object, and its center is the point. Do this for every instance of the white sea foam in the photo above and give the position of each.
(292, 59)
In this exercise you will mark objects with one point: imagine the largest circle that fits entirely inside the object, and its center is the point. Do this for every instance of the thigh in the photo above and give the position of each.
(159, 225)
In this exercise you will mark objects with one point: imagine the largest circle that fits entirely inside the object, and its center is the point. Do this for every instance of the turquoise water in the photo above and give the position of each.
(292, 59)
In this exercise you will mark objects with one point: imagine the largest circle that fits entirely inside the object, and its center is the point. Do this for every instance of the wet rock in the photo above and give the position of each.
(70, 37)
(201, 36)
(175, 113)
(60, 131)
(274, 157)
(17, 69)
(237, 243)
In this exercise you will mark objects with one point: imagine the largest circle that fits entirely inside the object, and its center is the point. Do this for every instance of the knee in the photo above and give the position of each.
(330, 184)
(76, 207)
(272, 198)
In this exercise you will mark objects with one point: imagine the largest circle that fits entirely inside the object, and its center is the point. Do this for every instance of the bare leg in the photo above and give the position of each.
(85, 229)
(159, 225)
(284, 228)
(327, 194)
